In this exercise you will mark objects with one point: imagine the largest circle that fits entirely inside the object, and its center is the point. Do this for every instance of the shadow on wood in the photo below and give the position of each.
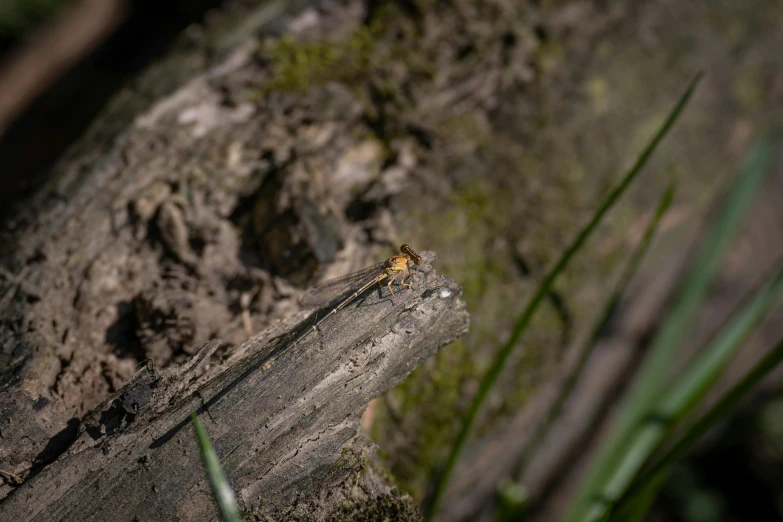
(284, 421)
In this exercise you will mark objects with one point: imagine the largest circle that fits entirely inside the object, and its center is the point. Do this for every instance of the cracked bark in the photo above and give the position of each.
(157, 233)
(281, 418)
(141, 247)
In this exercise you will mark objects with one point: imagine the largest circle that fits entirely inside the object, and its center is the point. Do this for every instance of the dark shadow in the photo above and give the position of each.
(61, 114)
(122, 333)
(294, 242)
(56, 445)
(112, 420)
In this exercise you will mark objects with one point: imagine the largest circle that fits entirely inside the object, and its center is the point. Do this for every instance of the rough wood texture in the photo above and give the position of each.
(160, 230)
(189, 219)
(284, 420)
(230, 174)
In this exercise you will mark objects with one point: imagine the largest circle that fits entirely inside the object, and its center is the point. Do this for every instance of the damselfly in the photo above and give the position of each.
(340, 292)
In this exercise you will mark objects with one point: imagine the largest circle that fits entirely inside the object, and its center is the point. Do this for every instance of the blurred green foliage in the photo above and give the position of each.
(18, 18)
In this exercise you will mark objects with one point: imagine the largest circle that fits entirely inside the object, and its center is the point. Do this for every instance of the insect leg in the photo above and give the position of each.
(396, 275)
(410, 276)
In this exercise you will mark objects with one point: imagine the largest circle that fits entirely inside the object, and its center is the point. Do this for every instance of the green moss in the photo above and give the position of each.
(425, 403)
(511, 210)
(350, 460)
(385, 508)
(254, 513)
(427, 406)
(298, 65)
(391, 507)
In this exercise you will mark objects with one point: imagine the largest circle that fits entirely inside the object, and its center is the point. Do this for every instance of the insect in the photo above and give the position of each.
(343, 290)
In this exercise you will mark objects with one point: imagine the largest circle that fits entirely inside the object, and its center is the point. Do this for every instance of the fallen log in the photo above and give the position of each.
(283, 416)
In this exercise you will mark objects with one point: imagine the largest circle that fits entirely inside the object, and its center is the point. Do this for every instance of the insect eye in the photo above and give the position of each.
(414, 256)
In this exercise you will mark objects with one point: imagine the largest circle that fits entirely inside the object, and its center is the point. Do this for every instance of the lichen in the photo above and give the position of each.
(350, 460)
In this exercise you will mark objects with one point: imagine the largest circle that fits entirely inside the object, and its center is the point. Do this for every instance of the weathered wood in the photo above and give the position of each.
(487, 129)
(145, 244)
(281, 419)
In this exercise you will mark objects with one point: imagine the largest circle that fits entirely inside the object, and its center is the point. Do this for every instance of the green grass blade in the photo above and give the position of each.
(221, 489)
(542, 291)
(707, 421)
(586, 348)
(512, 501)
(636, 510)
(686, 392)
(648, 385)
(507, 509)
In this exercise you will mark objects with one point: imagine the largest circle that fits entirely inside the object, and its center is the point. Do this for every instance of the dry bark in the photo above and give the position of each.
(284, 419)
(490, 129)
(183, 219)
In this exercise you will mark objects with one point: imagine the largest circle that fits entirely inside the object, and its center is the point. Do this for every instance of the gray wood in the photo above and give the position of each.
(281, 418)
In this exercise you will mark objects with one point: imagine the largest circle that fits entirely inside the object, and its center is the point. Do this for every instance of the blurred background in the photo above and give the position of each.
(488, 131)
(62, 61)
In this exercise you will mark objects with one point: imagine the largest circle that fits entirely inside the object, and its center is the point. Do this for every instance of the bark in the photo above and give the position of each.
(284, 419)
(193, 222)
(224, 181)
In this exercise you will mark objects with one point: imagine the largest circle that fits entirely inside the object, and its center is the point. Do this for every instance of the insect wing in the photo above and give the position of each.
(336, 289)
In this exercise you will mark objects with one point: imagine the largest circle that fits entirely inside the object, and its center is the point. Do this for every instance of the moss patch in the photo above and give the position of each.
(298, 64)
